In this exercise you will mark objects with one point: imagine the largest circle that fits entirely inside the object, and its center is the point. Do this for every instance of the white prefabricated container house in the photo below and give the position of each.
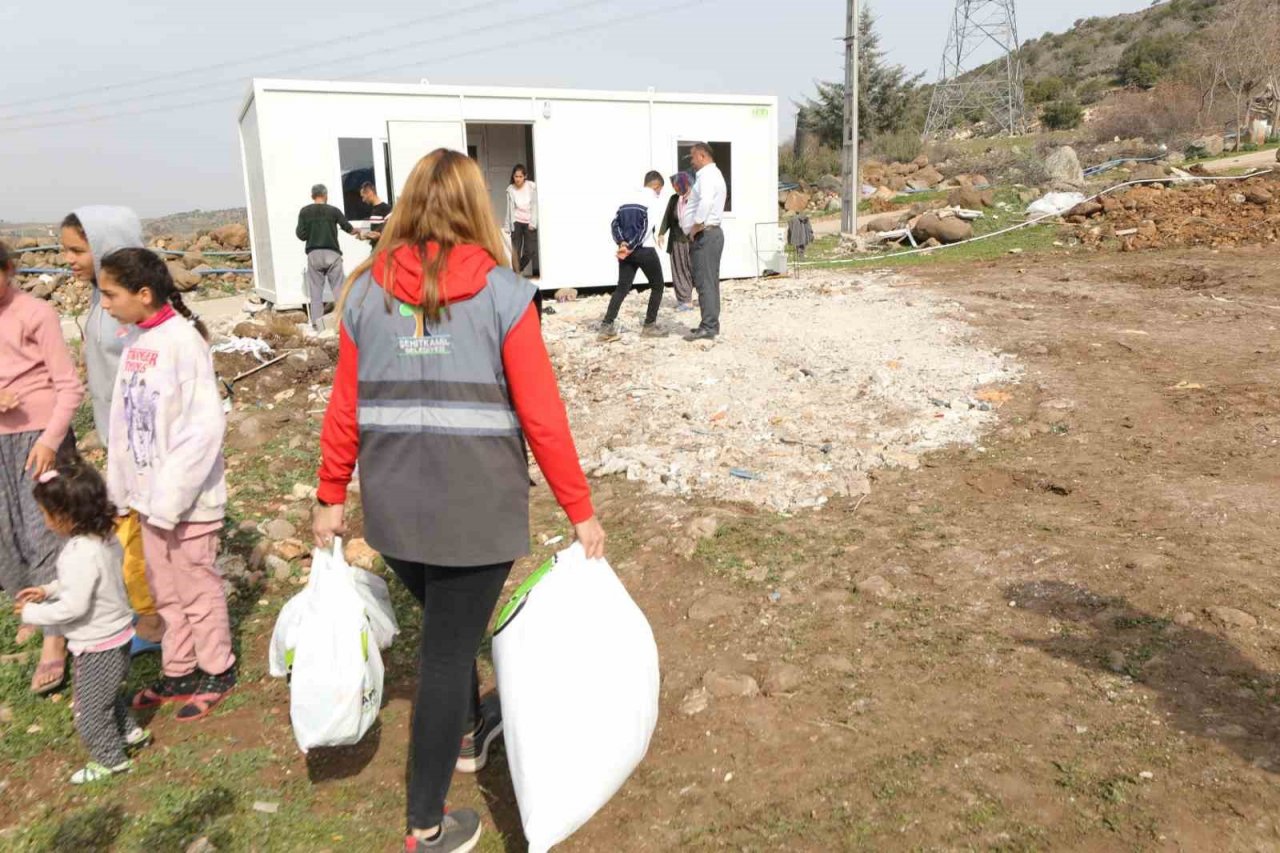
(587, 151)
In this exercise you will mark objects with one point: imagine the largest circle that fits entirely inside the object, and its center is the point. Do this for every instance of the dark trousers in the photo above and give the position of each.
(708, 246)
(456, 606)
(100, 713)
(524, 248)
(647, 260)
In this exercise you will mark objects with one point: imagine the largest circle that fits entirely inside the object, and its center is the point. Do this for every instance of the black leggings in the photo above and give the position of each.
(524, 248)
(456, 606)
(643, 259)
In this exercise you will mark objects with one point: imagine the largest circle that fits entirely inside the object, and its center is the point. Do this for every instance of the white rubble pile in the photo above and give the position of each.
(814, 383)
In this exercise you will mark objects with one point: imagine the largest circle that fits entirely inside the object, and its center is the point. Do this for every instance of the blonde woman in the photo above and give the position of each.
(442, 377)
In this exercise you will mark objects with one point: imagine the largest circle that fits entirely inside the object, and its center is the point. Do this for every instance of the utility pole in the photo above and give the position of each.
(849, 162)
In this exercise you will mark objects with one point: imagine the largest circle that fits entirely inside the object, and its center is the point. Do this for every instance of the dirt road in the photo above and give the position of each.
(1255, 160)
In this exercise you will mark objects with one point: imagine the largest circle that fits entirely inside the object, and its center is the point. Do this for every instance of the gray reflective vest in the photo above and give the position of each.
(444, 478)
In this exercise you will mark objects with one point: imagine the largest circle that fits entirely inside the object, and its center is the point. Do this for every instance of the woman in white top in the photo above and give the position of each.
(522, 220)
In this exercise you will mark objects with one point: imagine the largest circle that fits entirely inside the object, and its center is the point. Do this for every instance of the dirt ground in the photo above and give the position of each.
(1062, 638)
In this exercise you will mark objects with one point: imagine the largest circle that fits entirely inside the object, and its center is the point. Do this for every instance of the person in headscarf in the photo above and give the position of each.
(674, 223)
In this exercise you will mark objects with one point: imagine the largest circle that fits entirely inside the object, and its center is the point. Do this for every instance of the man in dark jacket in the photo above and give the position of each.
(318, 225)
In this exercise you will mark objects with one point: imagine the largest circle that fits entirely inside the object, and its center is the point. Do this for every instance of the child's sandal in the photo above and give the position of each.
(200, 706)
(95, 772)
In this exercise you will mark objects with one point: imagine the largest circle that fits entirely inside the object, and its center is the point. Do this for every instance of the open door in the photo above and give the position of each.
(410, 141)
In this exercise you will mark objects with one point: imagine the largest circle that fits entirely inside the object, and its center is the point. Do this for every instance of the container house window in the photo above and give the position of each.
(355, 157)
(723, 152)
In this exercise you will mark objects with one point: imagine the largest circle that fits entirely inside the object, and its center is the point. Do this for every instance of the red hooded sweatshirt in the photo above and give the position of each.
(531, 383)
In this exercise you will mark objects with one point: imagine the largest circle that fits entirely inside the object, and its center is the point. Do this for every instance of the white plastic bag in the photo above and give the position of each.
(1054, 204)
(572, 639)
(324, 638)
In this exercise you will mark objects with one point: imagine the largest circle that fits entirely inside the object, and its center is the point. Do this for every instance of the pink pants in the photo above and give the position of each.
(189, 596)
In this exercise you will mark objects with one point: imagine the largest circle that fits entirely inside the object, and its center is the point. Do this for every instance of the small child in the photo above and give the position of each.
(88, 602)
(39, 395)
(164, 461)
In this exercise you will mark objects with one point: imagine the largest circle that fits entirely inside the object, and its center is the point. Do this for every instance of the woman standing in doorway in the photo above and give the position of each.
(442, 377)
(522, 220)
(678, 244)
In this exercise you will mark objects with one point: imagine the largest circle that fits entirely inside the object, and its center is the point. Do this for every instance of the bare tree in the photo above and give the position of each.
(1243, 48)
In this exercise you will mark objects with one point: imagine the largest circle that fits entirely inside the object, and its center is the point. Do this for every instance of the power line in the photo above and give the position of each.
(223, 99)
(325, 63)
(231, 63)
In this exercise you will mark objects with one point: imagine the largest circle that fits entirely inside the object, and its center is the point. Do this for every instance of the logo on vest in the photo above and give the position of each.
(431, 345)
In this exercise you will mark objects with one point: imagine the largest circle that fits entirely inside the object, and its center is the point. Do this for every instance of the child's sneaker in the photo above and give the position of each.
(95, 772)
(211, 690)
(166, 689)
(137, 737)
(475, 746)
(459, 833)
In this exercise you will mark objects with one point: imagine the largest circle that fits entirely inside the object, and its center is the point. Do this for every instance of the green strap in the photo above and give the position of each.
(521, 592)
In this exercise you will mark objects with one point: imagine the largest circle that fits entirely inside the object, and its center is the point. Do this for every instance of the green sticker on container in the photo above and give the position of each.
(517, 598)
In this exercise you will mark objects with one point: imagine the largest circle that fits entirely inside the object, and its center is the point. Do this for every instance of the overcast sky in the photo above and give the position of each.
(169, 143)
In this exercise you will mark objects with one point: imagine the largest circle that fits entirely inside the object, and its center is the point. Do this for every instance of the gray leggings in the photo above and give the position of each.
(101, 716)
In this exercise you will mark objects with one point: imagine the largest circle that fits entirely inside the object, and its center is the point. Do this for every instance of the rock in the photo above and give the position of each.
(1259, 196)
(258, 556)
(232, 565)
(1208, 146)
(303, 492)
(925, 179)
(27, 243)
(233, 236)
(874, 586)
(289, 549)
(191, 260)
(713, 606)
(704, 528)
(184, 279)
(566, 294)
(201, 845)
(43, 289)
(1230, 617)
(1086, 209)
(782, 678)
(839, 664)
(1149, 172)
(831, 184)
(921, 161)
(695, 702)
(266, 808)
(249, 329)
(724, 685)
(971, 199)
(884, 194)
(1117, 662)
(834, 203)
(795, 202)
(1237, 198)
(278, 566)
(251, 434)
(6, 715)
(1063, 166)
(360, 555)
(1184, 619)
(279, 529)
(949, 230)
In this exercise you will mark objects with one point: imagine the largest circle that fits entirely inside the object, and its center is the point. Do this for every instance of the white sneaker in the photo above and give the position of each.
(137, 737)
(95, 772)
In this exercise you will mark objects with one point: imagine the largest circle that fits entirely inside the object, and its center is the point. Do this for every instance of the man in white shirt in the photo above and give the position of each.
(634, 231)
(707, 202)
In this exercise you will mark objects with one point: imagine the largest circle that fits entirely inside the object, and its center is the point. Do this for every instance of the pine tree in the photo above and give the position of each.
(888, 97)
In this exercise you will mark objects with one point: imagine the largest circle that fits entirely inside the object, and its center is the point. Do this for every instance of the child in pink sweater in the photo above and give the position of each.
(164, 462)
(39, 395)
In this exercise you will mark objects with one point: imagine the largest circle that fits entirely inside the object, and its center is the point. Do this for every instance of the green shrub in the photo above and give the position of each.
(1046, 89)
(1062, 115)
(1145, 61)
(1092, 90)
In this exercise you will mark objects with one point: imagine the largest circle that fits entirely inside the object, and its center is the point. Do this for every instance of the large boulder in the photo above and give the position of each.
(971, 199)
(233, 236)
(945, 230)
(925, 179)
(27, 243)
(1207, 146)
(796, 202)
(830, 183)
(183, 278)
(1149, 172)
(1065, 171)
